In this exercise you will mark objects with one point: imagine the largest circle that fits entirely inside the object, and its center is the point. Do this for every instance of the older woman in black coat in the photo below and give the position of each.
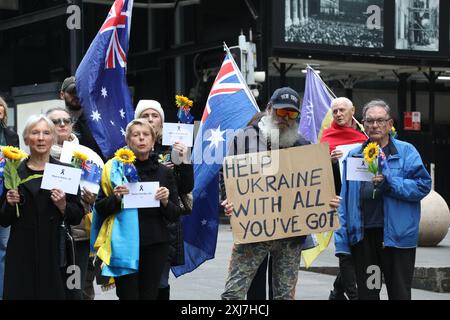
(33, 269)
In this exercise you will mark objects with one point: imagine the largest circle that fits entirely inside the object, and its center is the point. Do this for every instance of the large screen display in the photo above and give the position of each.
(417, 25)
(349, 23)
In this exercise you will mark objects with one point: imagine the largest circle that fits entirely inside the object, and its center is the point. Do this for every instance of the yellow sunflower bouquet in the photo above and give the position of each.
(371, 154)
(11, 177)
(127, 158)
(124, 155)
(184, 106)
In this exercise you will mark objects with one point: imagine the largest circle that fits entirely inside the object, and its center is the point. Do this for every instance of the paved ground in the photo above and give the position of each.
(207, 281)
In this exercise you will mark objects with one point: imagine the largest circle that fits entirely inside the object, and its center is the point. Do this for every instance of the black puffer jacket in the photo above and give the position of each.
(184, 177)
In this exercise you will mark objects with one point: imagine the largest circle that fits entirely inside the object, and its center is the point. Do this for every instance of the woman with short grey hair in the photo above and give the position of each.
(34, 260)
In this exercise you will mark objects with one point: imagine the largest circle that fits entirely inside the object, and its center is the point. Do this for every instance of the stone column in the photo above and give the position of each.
(301, 10)
(306, 11)
(296, 20)
(287, 19)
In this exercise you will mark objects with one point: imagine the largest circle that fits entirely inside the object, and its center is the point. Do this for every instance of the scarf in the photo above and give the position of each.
(337, 136)
(116, 238)
(56, 149)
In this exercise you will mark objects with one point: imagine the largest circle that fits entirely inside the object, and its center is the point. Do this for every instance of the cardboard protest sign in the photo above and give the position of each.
(280, 194)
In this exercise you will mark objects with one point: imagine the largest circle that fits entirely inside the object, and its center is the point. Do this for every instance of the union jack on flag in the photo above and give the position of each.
(101, 80)
(86, 166)
(117, 18)
(230, 106)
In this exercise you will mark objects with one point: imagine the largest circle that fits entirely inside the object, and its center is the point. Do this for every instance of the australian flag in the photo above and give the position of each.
(101, 80)
(229, 107)
(91, 172)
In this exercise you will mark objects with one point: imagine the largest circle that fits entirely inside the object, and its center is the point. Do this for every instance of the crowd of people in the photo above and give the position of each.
(136, 247)
(335, 33)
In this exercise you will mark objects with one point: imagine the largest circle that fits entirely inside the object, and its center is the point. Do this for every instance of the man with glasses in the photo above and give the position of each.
(276, 130)
(380, 229)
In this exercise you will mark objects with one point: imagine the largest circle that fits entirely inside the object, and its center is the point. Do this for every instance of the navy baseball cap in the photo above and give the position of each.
(285, 98)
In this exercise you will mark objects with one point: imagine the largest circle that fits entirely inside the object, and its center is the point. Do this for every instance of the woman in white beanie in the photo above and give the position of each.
(175, 157)
(154, 113)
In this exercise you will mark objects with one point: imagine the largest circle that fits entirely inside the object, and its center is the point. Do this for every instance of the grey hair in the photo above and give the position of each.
(35, 119)
(141, 122)
(4, 121)
(341, 100)
(51, 110)
(376, 103)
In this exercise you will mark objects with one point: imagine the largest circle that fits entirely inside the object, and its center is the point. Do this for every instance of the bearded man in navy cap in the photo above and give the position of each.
(277, 129)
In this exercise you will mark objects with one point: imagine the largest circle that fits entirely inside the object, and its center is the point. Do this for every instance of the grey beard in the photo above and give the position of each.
(281, 138)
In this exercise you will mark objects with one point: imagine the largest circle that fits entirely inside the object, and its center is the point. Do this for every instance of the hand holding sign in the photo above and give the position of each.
(162, 194)
(59, 199)
(120, 191)
(228, 206)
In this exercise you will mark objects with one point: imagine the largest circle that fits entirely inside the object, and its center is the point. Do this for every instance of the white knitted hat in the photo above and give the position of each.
(148, 104)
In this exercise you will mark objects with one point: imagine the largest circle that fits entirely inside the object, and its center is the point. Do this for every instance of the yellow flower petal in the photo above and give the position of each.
(80, 156)
(125, 155)
(181, 101)
(13, 153)
(371, 152)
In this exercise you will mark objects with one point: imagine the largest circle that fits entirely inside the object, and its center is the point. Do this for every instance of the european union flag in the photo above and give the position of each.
(229, 107)
(101, 80)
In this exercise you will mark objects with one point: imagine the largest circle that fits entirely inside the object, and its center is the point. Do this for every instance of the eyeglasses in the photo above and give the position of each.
(293, 115)
(371, 122)
(62, 121)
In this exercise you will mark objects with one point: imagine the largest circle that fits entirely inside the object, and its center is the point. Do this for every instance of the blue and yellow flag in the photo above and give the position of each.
(315, 117)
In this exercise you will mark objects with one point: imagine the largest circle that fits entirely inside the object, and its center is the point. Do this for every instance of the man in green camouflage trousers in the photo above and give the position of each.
(245, 261)
(285, 253)
(282, 114)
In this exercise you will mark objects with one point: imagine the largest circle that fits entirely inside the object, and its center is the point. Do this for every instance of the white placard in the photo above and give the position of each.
(345, 148)
(62, 177)
(69, 147)
(142, 195)
(357, 170)
(181, 132)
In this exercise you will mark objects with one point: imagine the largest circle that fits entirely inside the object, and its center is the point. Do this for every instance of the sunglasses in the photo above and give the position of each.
(293, 115)
(62, 121)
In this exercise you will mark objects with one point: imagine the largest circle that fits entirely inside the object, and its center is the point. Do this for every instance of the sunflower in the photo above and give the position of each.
(80, 156)
(182, 101)
(371, 152)
(13, 153)
(125, 155)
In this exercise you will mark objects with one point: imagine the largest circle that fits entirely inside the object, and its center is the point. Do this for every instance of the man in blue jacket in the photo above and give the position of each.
(380, 230)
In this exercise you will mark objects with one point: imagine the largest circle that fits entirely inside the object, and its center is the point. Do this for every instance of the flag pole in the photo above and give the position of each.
(361, 127)
(239, 74)
(329, 90)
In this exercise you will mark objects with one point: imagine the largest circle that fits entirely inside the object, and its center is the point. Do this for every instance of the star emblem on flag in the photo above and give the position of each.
(216, 137)
(96, 116)
(104, 92)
